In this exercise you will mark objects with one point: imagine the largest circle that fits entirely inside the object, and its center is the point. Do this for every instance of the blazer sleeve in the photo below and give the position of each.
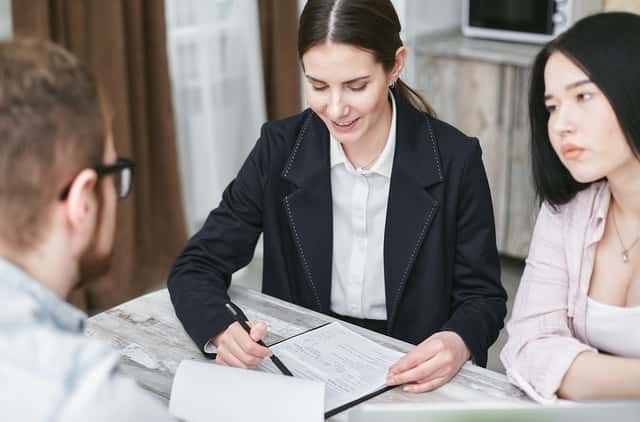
(478, 298)
(541, 346)
(200, 276)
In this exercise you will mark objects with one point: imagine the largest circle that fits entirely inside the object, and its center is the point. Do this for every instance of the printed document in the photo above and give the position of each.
(350, 365)
(347, 366)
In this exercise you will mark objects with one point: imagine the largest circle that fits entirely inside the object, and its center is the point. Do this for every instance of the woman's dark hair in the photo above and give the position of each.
(605, 48)
(372, 25)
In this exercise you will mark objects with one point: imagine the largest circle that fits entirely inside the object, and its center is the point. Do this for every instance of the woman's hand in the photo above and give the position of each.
(431, 364)
(238, 348)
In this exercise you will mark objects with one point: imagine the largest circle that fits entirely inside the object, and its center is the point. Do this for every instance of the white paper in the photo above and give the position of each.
(350, 365)
(285, 329)
(204, 391)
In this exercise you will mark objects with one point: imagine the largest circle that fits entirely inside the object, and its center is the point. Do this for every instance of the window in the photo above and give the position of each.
(216, 69)
(6, 29)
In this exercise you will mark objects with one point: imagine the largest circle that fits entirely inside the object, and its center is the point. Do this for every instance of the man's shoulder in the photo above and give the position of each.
(46, 366)
(65, 373)
(41, 351)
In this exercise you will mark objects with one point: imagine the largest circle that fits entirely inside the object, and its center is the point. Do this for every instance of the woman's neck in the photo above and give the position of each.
(365, 152)
(625, 191)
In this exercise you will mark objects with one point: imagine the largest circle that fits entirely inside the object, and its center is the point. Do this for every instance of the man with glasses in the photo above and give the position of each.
(59, 184)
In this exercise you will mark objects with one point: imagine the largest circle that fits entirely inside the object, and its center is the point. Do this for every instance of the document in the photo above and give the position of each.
(350, 365)
(333, 369)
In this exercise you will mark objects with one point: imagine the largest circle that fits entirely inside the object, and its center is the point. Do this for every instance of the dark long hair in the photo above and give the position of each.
(605, 47)
(372, 25)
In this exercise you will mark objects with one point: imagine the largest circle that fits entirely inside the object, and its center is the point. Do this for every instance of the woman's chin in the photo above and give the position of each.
(582, 177)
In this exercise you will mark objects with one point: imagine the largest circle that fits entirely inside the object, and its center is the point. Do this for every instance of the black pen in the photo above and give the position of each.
(277, 362)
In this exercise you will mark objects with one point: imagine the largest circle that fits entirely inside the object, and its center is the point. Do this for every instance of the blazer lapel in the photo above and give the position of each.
(309, 207)
(411, 208)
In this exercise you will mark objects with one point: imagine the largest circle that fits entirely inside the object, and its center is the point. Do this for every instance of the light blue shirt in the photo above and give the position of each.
(49, 371)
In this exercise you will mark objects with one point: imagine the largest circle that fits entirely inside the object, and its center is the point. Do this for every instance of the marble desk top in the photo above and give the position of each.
(152, 342)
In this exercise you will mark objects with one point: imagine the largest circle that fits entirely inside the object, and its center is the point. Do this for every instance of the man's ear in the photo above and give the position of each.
(81, 202)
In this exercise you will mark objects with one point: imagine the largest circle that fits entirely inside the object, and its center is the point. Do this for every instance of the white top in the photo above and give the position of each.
(360, 198)
(613, 329)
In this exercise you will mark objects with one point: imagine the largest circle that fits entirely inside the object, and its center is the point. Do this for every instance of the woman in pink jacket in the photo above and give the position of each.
(575, 328)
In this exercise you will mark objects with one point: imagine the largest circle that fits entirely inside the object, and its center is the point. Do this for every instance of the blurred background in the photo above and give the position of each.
(192, 81)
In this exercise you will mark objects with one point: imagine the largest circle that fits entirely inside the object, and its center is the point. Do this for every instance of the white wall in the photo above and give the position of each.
(422, 17)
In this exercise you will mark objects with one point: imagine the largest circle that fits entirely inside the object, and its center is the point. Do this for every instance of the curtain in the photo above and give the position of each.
(216, 69)
(124, 43)
(278, 36)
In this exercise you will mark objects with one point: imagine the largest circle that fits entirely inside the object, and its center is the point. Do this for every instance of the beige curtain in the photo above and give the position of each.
(278, 36)
(124, 42)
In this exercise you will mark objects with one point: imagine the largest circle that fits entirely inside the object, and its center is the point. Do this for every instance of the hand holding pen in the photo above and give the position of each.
(240, 349)
(241, 346)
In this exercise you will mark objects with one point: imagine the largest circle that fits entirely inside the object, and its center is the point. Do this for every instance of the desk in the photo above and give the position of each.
(152, 342)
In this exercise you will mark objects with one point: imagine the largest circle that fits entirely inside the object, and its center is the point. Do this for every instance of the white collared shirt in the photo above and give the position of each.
(360, 198)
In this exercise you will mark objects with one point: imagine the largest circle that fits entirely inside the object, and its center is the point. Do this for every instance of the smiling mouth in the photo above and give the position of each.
(345, 124)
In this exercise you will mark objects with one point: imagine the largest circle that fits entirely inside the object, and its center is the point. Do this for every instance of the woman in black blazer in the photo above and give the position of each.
(372, 210)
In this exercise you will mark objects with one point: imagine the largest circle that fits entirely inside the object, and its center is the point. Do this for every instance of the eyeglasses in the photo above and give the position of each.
(122, 169)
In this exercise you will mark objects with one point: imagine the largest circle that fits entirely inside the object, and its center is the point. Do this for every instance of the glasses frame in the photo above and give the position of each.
(120, 165)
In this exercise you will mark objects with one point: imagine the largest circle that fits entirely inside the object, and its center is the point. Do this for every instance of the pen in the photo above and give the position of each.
(277, 362)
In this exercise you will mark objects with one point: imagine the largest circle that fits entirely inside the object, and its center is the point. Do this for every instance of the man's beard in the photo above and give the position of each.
(92, 265)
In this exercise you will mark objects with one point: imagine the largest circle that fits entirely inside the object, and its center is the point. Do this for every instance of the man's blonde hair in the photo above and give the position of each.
(51, 127)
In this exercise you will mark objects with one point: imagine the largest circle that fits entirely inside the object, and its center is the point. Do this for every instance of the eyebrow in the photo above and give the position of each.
(571, 86)
(359, 78)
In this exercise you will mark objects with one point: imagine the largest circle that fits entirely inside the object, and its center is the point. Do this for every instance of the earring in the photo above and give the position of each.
(392, 84)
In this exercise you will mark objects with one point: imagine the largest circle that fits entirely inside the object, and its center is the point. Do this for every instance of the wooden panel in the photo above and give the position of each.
(522, 206)
(488, 100)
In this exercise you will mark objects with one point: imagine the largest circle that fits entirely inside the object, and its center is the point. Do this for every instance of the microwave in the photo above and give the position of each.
(532, 21)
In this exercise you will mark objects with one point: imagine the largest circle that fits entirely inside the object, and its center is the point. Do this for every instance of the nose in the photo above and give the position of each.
(561, 121)
(337, 107)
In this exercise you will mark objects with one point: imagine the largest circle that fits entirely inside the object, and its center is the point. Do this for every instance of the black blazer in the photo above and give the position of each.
(440, 260)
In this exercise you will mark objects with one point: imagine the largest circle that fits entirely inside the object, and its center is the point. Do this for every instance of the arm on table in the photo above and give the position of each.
(200, 276)
(478, 299)
(594, 376)
(541, 346)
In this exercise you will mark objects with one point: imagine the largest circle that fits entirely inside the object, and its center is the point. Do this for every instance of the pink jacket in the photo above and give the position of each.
(547, 325)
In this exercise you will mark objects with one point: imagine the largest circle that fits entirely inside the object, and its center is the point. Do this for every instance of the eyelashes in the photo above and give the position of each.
(358, 88)
(580, 97)
(355, 88)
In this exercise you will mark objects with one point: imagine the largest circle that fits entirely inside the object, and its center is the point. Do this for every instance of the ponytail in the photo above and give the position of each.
(414, 98)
